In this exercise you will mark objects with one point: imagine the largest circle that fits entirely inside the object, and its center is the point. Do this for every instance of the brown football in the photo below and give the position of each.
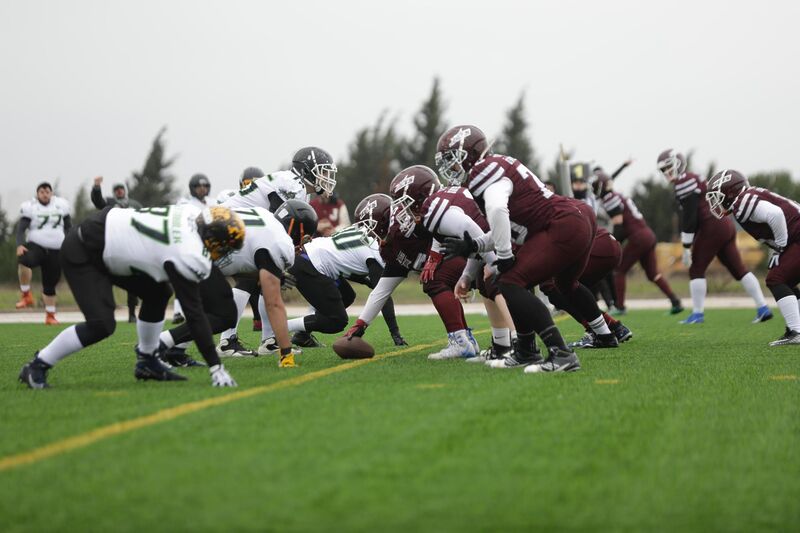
(353, 348)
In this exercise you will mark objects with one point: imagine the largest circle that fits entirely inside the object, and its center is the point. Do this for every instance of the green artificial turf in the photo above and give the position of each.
(682, 429)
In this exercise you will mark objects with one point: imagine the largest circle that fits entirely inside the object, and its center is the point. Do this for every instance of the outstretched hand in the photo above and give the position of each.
(455, 247)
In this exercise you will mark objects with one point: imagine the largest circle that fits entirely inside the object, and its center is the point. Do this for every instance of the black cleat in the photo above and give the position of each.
(306, 340)
(34, 374)
(607, 340)
(517, 359)
(677, 308)
(177, 357)
(583, 342)
(148, 366)
(621, 332)
(558, 361)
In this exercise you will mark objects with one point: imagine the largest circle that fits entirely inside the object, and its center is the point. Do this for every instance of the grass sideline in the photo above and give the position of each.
(682, 428)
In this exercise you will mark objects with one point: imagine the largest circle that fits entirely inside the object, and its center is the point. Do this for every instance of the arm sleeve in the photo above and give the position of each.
(97, 197)
(688, 218)
(22, 227)
(188, 294)
(455, 222)
(264, 261)
(496, 200)
(622, 167)
(378, 297)
(67, 223)
(769, 213)
(274, 201)
(472, 268)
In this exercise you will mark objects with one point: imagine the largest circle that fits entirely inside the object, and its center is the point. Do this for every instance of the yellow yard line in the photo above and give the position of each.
(90, 437)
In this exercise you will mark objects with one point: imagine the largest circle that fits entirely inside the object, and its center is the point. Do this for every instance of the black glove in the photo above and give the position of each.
(504, 265)
(398, 339)
(455, 247)
(288, 281)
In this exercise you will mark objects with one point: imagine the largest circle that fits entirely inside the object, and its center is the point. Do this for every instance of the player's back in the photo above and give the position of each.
(437, 204)
(345, 253)
(746, 203)
(262, 231)
(632, 219)
(283, 182)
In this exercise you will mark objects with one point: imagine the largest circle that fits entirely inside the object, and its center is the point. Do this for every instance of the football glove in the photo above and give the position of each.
(357, 330)
(398, 339)
(455, 247)
(220, 377)
(686, 257)
(428, 271)
(504, 265)
(288, 281)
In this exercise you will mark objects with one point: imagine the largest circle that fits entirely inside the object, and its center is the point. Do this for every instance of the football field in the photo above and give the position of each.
(681, 429)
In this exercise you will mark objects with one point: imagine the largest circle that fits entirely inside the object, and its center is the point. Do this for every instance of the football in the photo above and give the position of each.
(353, 348)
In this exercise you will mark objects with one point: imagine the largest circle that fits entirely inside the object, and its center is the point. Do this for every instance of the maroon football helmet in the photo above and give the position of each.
(409, 189)
(457, 151)
(373, 214)
(671, 164)
(723, 188)
(602, 183)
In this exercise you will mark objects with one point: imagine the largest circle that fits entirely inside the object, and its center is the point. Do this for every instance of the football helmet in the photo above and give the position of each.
(374, 214)
(602, 183)
(221, 229)
(671, 164)
(408, 190)
(723, 189)
(315, 167)
(196, 181)
(299, 219)
(248, 175)
(457, 151)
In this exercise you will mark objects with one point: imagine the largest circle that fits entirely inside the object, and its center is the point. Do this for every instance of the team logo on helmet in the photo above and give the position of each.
(459, 136)
(404, 183)
(366, 211)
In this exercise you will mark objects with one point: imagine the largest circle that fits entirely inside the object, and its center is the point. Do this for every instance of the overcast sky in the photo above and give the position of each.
(87, 84)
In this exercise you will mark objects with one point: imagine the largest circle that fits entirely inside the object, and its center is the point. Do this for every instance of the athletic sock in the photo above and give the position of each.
(450, 311)
(501, 337)
(148, 333)
(25, 288)
(297, 324)
(610, 320)
(552, 337)
(50, 309)
(166, 339)
(750, 284)
(698, 288)
(790, 311)
(65, 343)
(599, 326)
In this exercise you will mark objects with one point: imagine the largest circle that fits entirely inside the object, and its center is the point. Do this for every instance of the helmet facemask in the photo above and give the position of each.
(403, 212)
(450, 164)
(717, 199)
(324, 180)
(672, 167)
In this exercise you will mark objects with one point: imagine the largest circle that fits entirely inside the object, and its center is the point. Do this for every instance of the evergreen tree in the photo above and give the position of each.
(514, 139)
(371, 163)
(153, 186)
(81, 207)
(779, 182)
(5, 225)
(429, 125)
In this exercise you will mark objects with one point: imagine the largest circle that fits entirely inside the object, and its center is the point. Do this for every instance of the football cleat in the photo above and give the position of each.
(762, 314)
(178, 318)
(50, 319)
(459, 346)
(789, 337)
(256, 325)
(176, 357)
(558, 361)
(618, 311)
(621, 332)
(584, 341)
(148, 366)
(131, 318)
(306, 340)
(493, 353)
(25, 300)
(269, 346)
(34, 374)
(676, 308)
(607, 340)
(694, 318)
(231, 347)
(517, 359)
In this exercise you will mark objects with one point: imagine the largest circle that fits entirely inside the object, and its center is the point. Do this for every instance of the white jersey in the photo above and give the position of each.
(191, 200)
(225, 194)
(261, 230)
(142, 240)
(343, 254)
(283, 182)
(47, 221)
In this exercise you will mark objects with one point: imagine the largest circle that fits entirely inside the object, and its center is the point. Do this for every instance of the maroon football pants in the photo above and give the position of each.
(787, 272)
(440, 291)
(641, 248)
(716, 238)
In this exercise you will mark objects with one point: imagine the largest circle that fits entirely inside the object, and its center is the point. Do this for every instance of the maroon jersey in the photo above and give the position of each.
(632, 220)
(435, 206)
(531, 205)
(744, 210)
(690, 189)
(403, 254)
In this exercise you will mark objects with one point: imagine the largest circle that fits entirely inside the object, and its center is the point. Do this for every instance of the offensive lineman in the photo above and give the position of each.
(46, 218)
(141, 251)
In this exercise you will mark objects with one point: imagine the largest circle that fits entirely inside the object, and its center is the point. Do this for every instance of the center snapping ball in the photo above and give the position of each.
(353, 348)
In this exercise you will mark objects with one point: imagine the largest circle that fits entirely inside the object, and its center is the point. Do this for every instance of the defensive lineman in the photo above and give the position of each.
(140, 251)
